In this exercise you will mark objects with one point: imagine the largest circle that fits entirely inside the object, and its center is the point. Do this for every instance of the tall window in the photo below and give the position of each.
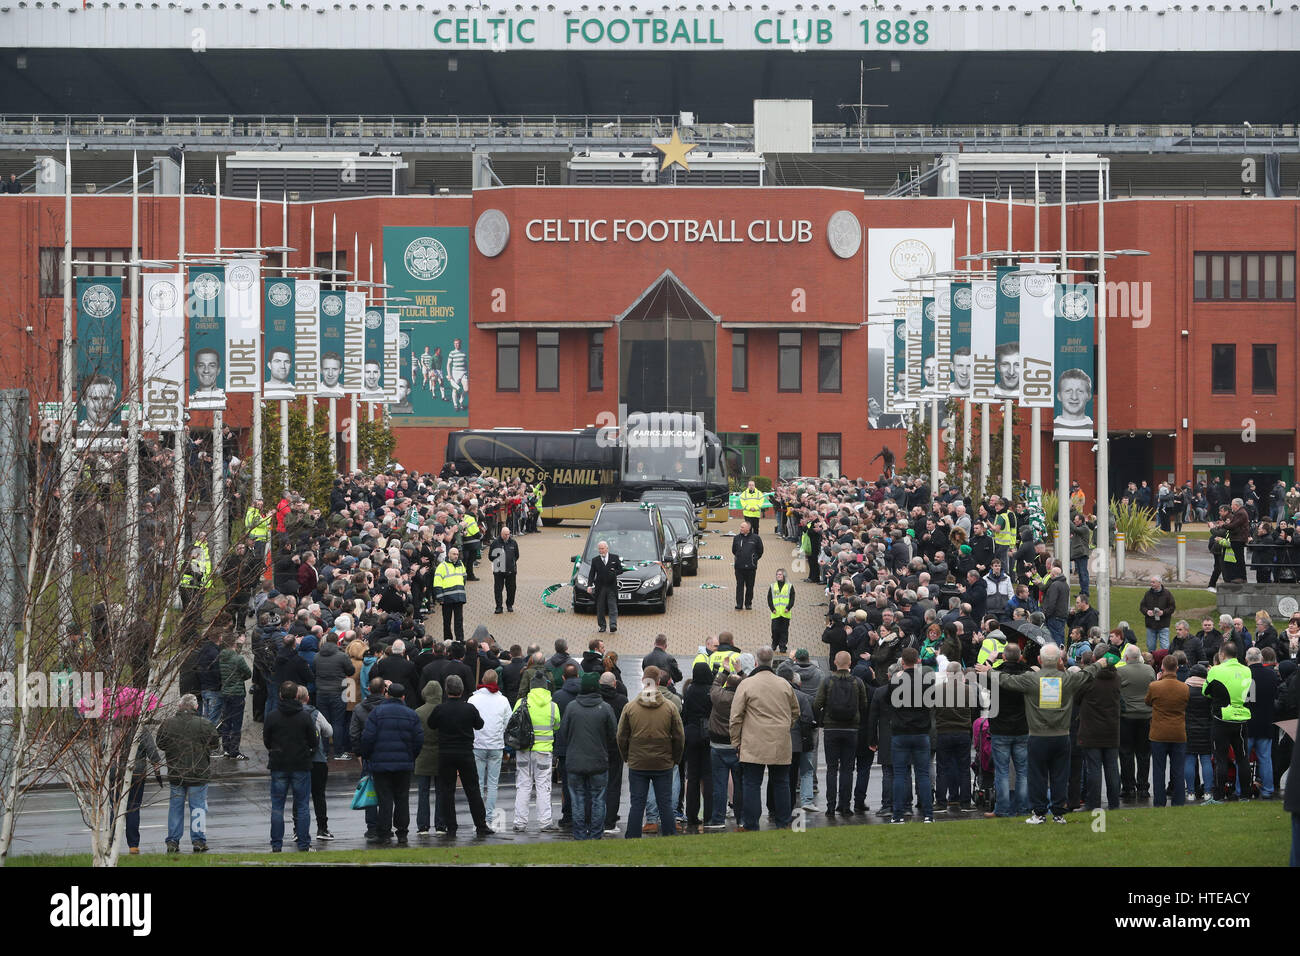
(828, 456)
(1263, 360)
(787, 455)
(507, 361)
(739, 362)
(1223, 369)
(828, 361)
(596, 362)
(548, 361)
(1258, 276)
(789, 361)
(51, 266)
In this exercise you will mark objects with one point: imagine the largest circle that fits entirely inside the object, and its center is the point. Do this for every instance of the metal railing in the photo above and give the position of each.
(520, 131)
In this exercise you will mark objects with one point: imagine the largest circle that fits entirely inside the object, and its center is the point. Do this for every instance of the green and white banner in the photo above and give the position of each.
(1008, 333)
(1037, 332)
(929, 361)
(372, 374)
(396, 388)
(278, 305)
(243, 304)
(983, 342)
(960, 296)
(306, 337)
(897, 391)
(943, 340)
(354, 341)
(1075, 312)
(162, 341)
(99, 354)
(333, 325)
(912, 371)
(431, 267)
(206, 315)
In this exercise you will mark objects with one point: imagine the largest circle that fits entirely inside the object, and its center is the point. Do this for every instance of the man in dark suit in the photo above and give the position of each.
(603, 583)
(747, 547)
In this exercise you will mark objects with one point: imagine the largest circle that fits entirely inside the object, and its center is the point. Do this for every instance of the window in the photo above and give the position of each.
(326, 260)
(548, 361)
(828, 361)
(828, 456)
(739, 362)
(789, 361)
(507, 361)
(596, 362)
(787, 455)
(1263, 360)
(1223, 369)
(51, 266)
(1266, 276)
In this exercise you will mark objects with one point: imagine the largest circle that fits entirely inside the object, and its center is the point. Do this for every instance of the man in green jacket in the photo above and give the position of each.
(187, 740)
(1229, 684)
(1049, 696)
(234, 671)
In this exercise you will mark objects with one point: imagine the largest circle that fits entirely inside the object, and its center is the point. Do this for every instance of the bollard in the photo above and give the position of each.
(1119, 554)
(1182, 557)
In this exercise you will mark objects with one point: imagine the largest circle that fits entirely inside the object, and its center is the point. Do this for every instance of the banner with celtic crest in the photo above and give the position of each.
(206, 314)
(278, 345)
(99, 353)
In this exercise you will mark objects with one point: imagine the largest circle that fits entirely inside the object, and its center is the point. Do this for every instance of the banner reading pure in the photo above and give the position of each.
(1008, 333)
(961, 296)
(278, 304)
(430, 266)
(1075, 344)
(206, 315)
(243, 305)
(163, 348)
(99, 353)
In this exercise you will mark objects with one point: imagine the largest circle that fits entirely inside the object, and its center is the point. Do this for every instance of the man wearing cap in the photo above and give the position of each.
(780, 600)
(390, 742)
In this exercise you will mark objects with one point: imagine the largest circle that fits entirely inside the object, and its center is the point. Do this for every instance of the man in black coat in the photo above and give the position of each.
(396, 668)
(289, 734)
(602, 582)
(503, 552)
(455, 721)
(511, 672)
(290, 666)
(747, 548)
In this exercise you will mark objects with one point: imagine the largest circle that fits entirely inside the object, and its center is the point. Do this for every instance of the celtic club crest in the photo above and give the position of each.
(425, 258)
(961, 299)
(205, 286)
(930, 310)
(404, 341)
(1010, 285)
(162, 296)
(279, 295)
(373, 319)
(331, 305)
(1074, 306)
(98, 301)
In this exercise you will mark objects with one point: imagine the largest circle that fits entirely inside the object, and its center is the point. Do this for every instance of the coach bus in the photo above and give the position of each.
(579, 470)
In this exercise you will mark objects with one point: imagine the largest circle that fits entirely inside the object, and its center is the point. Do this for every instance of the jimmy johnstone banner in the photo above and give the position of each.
(354, 341)
(278, 343)
(332, 334)
(205, 312)
(898, 367)
(983, 342)
(372, 374)
(99, 354)
(960, 296)
(163, 350)
(1037, 332)
(431, 267)
(243, 304)
(1075, 311)
(306, 339)
(1008, 333)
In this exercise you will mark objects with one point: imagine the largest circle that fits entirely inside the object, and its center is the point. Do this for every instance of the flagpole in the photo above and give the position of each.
(370, 275)
(334, 402)
(67, 449)
(1063, 447)
(182, 430)
(354, 430)
(1008, 407)
(984, 409)
(284, 402)
(257, 396)
(133, 393)
(966, 402)
(1036, 413)
(1103, 435)
(218, 438)
(311, 396)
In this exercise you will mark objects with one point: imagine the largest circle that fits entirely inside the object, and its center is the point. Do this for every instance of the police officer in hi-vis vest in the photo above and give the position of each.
(780, 598)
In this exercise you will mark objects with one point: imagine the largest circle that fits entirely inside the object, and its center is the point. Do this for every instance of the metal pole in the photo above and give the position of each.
(1008, 407)
(311, 262)
(1063, 506)
(1182, 557)
(1036, 413)
(985, 447)
(370, 275)
(67, 448)
(354, 429)
(178, 462)
(966, 402)
(133, 399)
(334, 402)
(1103, 439)
(218, 449)
(284, 403)
(257, 398)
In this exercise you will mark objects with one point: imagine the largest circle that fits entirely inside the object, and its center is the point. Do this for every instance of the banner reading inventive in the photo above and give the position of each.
(430, 266)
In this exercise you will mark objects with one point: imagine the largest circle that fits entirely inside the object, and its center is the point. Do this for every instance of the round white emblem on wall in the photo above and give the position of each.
(492, 232)
(844, 233)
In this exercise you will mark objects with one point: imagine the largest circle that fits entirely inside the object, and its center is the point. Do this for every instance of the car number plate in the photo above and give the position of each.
(625, 595)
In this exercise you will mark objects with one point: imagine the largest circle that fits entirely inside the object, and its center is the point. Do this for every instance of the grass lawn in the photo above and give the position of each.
(1247, 834)
(1192, 603)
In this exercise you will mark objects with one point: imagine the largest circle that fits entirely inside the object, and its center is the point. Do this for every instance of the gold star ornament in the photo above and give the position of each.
(674, 151)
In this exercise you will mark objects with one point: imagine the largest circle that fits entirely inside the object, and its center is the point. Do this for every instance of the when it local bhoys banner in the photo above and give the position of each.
(278, 306)
(163, 348)
(243, 304)
(354, 340)
(961, 298)
(306, 342)
(983, 342)
(1037, 331)
(1008, 333)
(1075, 312)
(206, 315)
(99, 354)
(431, 267)
(372, 376)
(332, 332)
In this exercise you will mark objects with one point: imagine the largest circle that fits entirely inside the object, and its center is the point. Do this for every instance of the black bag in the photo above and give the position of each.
(519, 729)
(842, 700)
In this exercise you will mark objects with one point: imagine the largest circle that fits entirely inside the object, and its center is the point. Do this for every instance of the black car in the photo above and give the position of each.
(663, 496)
(636, 532)
(688, 545)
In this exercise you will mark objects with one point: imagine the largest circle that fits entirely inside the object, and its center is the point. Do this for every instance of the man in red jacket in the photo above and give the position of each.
(282, 510)
(307, 575)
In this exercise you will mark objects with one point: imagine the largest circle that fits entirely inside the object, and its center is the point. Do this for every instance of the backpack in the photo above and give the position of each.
(842, 700)
(519, 729)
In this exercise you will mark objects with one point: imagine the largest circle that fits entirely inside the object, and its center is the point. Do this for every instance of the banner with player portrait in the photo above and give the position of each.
(1037, 332)
(1008, 333)
(430, 266)
(162, 341)
(333, 324)
(897, 365)
(278, 339)
(372, 373)
(960, 323)
(243, 305)
(1075, 313)
(929, 361)
(99, 354)
(206, 319)
(306, 336)
(354, 340)
(983, 342)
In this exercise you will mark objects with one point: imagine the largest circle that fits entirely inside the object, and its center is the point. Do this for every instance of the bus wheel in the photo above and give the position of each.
(552, 522)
